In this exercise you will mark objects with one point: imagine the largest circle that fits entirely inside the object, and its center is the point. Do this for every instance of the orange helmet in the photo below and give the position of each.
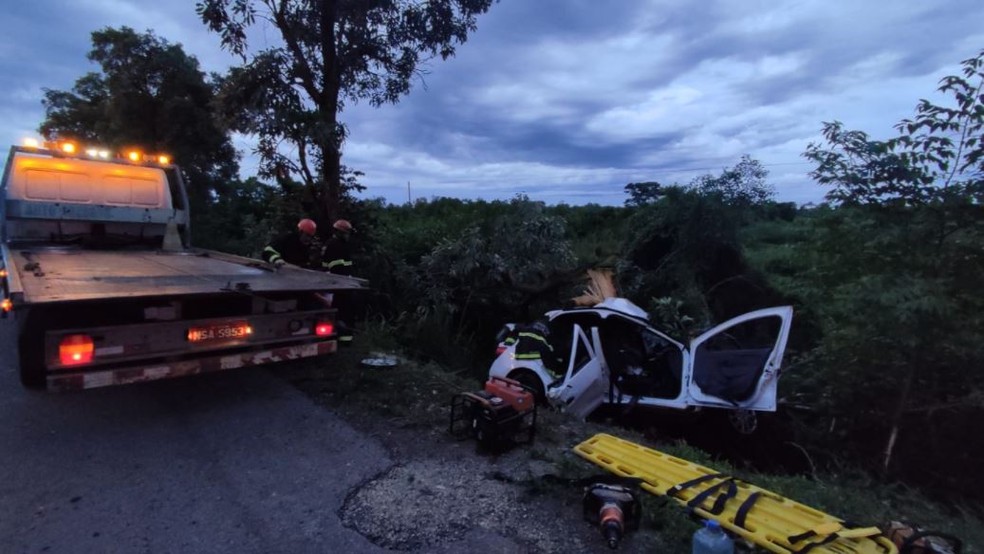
(307, 226)
(343, 225)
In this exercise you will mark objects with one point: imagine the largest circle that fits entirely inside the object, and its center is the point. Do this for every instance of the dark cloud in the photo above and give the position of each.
(524, 22)
(568, 100)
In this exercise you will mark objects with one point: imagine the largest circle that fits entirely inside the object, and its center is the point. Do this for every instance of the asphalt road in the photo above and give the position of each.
(231, 462)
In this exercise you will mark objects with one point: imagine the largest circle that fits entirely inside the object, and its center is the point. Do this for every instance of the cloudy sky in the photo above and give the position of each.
(567, 101)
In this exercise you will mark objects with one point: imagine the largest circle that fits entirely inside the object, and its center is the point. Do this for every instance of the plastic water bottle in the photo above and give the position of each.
(712, 540)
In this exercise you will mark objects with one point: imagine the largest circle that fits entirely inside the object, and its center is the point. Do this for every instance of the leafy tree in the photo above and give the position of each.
(895, 272)
(681, 255)
(644, 193)
(937, 157)
(685, 246)
(447, 273)
(333, 51)
(148, 94)
(413, 230)
(483, 265)
(742, 185)
(595, 231)
(243, 220)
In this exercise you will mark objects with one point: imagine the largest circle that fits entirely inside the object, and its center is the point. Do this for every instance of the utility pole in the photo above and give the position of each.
(409, 199)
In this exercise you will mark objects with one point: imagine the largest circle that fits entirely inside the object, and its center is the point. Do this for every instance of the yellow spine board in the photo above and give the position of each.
(770, 521)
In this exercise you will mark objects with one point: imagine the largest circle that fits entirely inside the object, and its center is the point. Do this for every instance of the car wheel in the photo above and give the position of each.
(743, 421)
(530, 380)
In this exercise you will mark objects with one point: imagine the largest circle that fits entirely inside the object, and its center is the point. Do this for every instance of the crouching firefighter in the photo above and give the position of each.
(533, 344)
(298, 248)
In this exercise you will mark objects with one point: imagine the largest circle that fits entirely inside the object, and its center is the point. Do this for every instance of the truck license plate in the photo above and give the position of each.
(224, 331)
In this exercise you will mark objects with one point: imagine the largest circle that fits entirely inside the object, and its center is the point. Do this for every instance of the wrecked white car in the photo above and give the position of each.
(609, 353)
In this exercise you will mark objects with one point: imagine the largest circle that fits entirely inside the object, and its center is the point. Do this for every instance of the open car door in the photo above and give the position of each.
(586, 382)
(736, 364)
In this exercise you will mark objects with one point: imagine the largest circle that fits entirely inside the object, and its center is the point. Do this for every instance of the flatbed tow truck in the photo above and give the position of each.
(98, 272)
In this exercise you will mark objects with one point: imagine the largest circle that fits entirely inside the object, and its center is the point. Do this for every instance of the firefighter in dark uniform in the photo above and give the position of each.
(337, 254)
(533, 344)
(336, 257)
(298, 248)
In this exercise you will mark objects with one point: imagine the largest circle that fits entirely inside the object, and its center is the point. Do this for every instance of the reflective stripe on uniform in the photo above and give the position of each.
(274, 255)
(536, 337)
(530, 356)
(533, 336)
(336, 263)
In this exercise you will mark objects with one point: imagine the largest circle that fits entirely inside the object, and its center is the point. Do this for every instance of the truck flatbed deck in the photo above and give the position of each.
(56, 274)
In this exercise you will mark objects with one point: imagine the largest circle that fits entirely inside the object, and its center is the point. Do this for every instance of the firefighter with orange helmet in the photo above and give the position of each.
(337, 252)
(298, 248)
(336, 257)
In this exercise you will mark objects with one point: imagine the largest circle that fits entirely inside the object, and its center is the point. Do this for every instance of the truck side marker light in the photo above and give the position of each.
(76, 349)
(324, 329)
(6, 305)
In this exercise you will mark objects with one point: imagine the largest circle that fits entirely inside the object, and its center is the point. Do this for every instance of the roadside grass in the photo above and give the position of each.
(417, 395)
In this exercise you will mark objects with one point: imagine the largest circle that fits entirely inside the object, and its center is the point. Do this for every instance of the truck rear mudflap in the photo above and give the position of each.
(122, 376)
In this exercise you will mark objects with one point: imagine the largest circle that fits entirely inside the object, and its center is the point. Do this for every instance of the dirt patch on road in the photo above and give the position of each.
(426, 503)
(445, 495)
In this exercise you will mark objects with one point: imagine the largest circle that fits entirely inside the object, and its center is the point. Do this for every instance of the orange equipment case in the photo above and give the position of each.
(512, 392)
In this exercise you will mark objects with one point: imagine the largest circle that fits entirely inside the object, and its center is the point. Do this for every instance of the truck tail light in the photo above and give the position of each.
(324, 328)
(76, 349)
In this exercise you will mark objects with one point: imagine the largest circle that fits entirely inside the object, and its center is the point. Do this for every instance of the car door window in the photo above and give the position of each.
(730, 363)
(664, 365)
(623, 345)
(562, 337)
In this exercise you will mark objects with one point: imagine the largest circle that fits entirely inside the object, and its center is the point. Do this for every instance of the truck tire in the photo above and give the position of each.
(31, 371)
(30, 354)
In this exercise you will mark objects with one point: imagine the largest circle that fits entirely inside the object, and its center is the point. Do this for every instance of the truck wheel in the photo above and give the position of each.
(30, 357)
(32, 373)
(530, 380)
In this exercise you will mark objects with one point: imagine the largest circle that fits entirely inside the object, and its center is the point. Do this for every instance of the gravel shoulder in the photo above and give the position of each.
(442, 494)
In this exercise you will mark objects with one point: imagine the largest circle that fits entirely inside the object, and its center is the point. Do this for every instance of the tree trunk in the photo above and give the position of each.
(329, 139)
(896, 421)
